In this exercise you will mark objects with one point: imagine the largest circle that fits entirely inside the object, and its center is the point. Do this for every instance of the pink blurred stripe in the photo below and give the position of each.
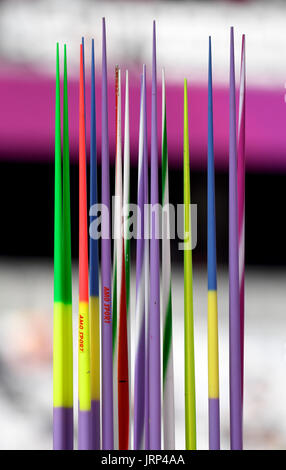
(27, 121)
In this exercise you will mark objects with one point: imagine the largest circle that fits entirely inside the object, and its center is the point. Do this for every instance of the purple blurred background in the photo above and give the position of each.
(27, 121)
(30, 29)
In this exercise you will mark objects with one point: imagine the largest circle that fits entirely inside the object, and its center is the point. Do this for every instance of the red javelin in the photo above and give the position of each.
(83, 239)
(123, 376)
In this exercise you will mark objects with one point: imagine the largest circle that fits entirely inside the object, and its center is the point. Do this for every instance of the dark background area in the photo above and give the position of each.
(27, 198)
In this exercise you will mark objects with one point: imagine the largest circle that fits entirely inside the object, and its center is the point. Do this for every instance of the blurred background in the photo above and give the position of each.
(29, 30)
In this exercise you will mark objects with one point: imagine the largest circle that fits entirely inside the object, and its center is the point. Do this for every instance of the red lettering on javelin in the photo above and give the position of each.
(106, 305)
(81, 338)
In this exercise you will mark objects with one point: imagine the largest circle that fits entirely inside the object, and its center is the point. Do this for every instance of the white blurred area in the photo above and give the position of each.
(26, 356)
(29, 30)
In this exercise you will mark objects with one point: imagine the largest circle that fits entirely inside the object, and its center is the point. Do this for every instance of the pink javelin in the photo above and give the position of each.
(241, 200)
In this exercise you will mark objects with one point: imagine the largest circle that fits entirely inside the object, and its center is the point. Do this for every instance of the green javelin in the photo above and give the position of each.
(62, 350)
(58, 193)
(168, 368)
(126, 201)
(190, 396)
(67, 274)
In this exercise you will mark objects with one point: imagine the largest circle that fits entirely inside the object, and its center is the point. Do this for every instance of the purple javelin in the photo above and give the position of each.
(139, 391)
(106, 310)
(154, 326)
(146, 256)
(234, 309)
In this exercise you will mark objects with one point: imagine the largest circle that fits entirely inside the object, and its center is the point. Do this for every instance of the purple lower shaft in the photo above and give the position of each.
(84, 430)
(214, 424)
(62, 428)
(106, 308)
(241, 300)
(154, 337)
(147, 401)
(234, 308)
(95, 420)
(139, 396)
